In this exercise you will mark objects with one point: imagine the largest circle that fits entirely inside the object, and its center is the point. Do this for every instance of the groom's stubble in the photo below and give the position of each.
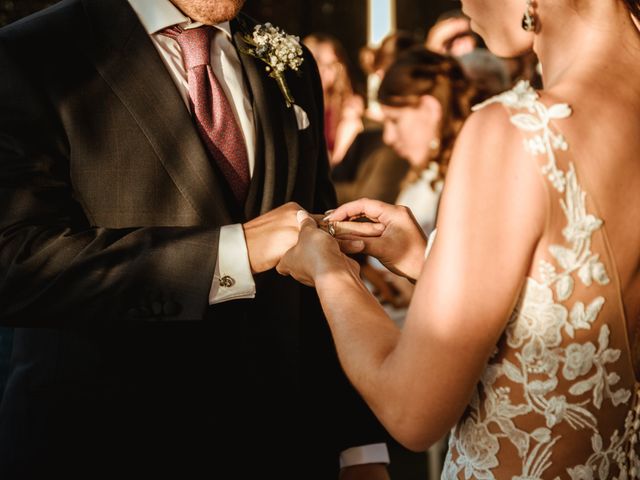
(210, 12)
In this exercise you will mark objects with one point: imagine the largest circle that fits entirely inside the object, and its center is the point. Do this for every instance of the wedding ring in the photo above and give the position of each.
(331, 228)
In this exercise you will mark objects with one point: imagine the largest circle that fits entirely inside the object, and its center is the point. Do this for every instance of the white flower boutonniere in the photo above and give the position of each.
(278, 50)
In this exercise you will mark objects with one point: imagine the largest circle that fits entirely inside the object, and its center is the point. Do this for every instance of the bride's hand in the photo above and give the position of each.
(315, 254)
(401, 245)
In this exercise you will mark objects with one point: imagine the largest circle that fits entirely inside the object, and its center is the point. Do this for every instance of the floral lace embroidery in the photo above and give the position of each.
(523, 97)
(535, 333)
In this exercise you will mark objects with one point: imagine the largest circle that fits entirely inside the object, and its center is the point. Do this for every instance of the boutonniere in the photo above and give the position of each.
(278, 50)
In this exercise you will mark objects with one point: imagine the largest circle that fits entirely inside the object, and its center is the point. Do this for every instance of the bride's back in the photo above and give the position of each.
(559, 398)
(603, 134)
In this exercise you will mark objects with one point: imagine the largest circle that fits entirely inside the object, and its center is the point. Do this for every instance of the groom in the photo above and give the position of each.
(146, 181)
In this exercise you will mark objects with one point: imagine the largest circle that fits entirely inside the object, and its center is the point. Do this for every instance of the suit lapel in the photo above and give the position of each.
(277, 132)
(126, 58)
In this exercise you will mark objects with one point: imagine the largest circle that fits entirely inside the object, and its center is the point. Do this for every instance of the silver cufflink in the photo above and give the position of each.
(227, 281)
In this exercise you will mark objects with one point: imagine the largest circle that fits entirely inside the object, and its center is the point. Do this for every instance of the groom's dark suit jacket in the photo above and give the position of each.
(109, 219)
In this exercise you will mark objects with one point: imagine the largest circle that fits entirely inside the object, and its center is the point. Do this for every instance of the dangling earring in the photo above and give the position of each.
(529, 19)
(434, 146)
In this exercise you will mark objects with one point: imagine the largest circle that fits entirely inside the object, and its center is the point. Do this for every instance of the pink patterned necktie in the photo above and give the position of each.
(211, 110)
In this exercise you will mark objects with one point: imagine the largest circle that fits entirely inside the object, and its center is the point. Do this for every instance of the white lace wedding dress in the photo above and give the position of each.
(558, 398)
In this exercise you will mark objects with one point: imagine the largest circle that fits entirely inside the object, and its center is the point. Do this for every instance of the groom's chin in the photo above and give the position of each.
(210, 12)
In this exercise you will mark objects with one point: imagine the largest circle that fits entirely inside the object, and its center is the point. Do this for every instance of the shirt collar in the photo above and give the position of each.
(156, 15)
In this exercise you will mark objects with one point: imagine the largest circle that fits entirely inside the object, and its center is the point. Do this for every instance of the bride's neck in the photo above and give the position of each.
(572, 45)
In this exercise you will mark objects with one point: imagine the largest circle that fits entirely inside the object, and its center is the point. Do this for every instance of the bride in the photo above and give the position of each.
(521, 337)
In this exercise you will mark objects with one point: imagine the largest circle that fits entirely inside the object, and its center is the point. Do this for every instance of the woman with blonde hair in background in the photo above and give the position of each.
(522, 333)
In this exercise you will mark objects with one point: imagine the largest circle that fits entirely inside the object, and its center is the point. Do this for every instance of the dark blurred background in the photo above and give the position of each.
(345, 19)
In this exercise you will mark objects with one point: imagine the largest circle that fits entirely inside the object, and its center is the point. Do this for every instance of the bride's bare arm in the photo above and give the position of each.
(419, 380)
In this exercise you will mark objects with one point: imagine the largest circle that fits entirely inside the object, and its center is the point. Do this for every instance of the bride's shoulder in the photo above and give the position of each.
(492, 182)
(503, 123)
(521, 96)
(492, 129)
(492, 147)
(528, 109)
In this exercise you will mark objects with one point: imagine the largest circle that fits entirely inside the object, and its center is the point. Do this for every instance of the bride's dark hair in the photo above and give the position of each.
(634, 7)
(419, 72)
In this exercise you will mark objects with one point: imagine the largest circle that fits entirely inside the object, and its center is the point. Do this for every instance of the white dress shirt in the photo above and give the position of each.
(233, 258)
(156, 15)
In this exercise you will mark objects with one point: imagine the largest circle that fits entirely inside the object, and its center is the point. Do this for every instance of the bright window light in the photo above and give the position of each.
(382, 20)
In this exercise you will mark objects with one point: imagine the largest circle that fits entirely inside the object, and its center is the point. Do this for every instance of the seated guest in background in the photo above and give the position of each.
(343, 108)
(488, 73)
(452, 35)
(425, 98)
(376, 61)
(370, 168)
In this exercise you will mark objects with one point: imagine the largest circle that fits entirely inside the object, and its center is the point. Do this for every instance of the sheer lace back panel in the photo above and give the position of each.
(558, 398)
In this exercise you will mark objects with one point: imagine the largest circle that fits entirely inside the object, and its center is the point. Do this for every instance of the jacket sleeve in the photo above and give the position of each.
(56, 268)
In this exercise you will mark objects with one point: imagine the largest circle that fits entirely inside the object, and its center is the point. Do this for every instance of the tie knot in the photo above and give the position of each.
(195, 44)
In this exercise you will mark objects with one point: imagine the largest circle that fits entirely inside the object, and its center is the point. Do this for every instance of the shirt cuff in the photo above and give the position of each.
(374, 453)
(232, 279)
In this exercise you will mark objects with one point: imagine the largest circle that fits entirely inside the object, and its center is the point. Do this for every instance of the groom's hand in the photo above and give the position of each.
(270, 236)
